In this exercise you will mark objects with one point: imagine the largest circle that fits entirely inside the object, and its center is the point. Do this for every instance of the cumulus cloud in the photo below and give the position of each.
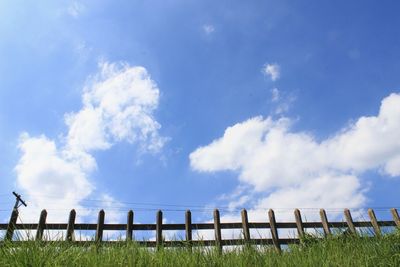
(272, 70)
(44, 170)
(285, 168)
(118, 105)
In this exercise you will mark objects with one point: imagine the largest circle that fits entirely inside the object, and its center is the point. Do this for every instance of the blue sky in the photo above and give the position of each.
(208, 61)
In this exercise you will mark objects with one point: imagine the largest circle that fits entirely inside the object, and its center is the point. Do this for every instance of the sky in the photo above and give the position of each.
(176, 105)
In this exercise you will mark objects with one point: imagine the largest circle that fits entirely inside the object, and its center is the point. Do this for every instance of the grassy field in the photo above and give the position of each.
(333, 251)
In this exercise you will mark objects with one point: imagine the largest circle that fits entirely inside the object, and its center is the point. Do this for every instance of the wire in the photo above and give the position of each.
(125, 209)
(202, 207)
(146, 206)
(119, 202)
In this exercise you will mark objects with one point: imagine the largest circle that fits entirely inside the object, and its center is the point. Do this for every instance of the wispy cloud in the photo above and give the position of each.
(118, 106)
(275, 95)
(281, 101)
(272, 70)
(82, 50)
(75, 9)
(208, 28)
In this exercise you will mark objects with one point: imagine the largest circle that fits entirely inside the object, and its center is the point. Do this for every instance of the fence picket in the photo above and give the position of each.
(349, 221)
(274, 230)
(11, 225)
(159, 240)
(41, 225)
(299, 223)
(374, 222)
(245, 226)
(100, 226)
(129, 226)
(188, 226)
(324, 221)
(217, 230)
(395, 215)
(70, 226)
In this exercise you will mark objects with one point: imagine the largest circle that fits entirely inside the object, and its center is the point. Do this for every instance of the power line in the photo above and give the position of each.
(203, 207)
(119, 202)
(146, 206)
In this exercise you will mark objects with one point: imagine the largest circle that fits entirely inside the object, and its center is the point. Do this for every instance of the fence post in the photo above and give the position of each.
(159, 229)
(324, 221)
(349, 221)
(217, 230)
(274, 230)
(188, 227)
(71, 225)
(41, 225)
(299, 223)
(11, 225)
(100, 226)
(245, 226)
(395, 217)
(374, 222)
(129, 226)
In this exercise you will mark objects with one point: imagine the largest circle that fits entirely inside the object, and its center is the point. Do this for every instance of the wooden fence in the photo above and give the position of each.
(244, 226)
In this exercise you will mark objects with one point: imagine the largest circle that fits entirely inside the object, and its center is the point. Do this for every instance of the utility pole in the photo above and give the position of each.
(18, 201)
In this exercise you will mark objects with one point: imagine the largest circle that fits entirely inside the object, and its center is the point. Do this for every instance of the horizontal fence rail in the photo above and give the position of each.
(217, 226)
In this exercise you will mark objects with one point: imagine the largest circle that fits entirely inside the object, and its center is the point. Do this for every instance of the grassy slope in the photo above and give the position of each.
(335, 251)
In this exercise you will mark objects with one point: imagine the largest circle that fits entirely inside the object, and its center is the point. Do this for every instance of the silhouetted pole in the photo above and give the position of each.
(14, 216)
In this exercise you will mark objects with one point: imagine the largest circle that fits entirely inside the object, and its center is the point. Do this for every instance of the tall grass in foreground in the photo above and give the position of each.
(333, 251)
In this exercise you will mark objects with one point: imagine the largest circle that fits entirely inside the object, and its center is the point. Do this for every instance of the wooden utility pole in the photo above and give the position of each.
(14, 216)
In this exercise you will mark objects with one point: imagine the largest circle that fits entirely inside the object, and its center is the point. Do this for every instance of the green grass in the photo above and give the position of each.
(334, 251)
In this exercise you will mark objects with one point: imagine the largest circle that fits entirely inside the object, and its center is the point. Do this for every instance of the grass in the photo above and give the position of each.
(333, 251)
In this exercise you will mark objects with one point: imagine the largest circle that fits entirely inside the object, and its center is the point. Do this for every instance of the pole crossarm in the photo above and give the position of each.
(18, 201)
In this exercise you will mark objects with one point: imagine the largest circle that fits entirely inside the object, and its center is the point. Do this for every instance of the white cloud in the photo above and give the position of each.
(289, 169)
(208, 29)
(275, 94)
(118, 105)
(43, 170)
(272, 70)
(327, 191)
(75, 9)
(281, 101)
(112, 209)
(283, 107)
